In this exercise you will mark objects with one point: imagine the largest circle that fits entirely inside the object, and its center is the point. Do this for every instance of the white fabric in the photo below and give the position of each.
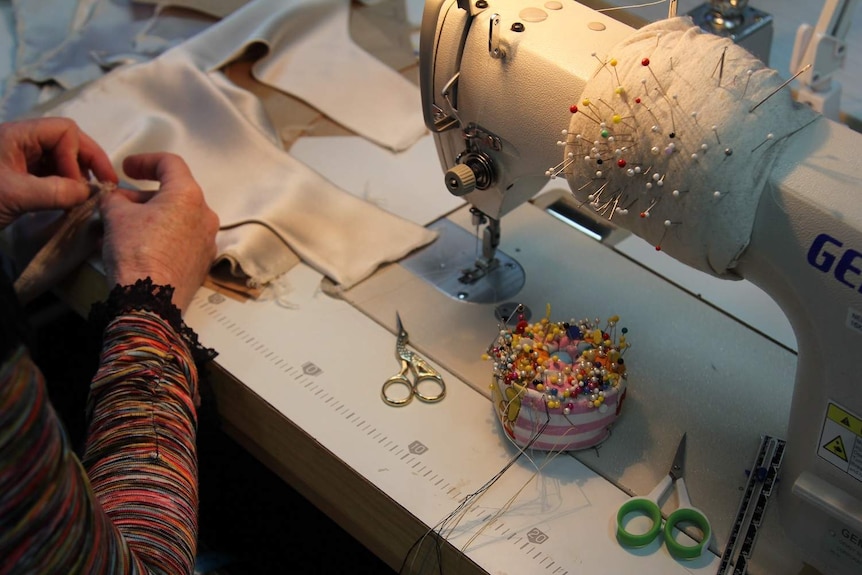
(707, 223)
(266, 200)
(274, 210)
(312, 57)
(408, 183)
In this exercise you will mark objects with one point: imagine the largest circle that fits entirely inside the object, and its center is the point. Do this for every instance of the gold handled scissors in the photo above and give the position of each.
(423, 375)
(649, 506)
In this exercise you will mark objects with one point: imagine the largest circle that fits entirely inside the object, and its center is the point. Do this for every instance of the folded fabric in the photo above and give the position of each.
(271, 206)
(312, 57)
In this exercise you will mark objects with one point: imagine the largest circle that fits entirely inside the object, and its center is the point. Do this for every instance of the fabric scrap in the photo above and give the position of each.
(272, 207)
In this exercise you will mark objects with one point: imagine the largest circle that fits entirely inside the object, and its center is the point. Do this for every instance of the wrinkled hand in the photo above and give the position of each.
(45, 164)
(168, 235)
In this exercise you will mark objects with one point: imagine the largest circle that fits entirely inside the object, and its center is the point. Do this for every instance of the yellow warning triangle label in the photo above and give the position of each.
(836, 446)
(845, 419)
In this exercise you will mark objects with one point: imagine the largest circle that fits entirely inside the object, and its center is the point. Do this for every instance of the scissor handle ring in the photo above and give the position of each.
(430, 398)
(650, 509)
(696, 518)
(397, 380)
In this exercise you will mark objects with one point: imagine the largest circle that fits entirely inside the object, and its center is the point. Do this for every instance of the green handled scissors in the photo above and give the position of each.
(422, 372)
(649, 506)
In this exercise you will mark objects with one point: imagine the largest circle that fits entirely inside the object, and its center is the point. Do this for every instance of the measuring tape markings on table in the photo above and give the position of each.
(525, 543)
(305, 376)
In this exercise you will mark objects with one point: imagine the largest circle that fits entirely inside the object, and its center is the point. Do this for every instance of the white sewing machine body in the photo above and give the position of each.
(497, 82)
(522, 98)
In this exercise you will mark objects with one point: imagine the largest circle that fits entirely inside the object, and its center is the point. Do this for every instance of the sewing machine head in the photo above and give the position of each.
(501, 84)
(497, 117)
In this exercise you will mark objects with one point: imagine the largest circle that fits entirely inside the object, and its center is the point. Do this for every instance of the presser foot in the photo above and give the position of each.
(451, 265)
(482, 267)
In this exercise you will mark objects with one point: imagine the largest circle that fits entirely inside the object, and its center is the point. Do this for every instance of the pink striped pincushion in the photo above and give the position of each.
(559, 386)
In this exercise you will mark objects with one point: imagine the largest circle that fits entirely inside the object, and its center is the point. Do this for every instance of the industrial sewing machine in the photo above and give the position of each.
(497, 80)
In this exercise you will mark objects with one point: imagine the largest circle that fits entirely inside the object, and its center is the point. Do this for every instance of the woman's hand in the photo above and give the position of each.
(168, 235)
(45, 164)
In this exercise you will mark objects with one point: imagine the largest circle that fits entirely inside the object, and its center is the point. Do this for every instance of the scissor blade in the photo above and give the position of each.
(676, 469)
(402, 335)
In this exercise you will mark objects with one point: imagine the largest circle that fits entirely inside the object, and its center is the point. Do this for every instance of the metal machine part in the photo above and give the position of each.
(752, 508)
(474, 170)
(735, 19)
(805, 250)
(823, 48)
(474, 75)
(452, 266)
(474, 40)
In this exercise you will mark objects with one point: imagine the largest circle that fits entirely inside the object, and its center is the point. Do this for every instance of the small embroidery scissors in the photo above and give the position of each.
(422, 373)
(649, 506)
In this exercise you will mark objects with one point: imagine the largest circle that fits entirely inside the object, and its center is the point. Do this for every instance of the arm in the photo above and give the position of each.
(137, 510)
(132, 505)
(140, 452)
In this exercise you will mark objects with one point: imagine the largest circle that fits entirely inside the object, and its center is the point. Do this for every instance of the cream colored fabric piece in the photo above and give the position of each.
(266, 200)
(696, 157)
(408, 183)
(312, 57)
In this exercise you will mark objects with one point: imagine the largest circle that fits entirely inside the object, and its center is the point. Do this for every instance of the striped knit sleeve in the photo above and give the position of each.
(131, 507)
(50, 520)
(140, 453)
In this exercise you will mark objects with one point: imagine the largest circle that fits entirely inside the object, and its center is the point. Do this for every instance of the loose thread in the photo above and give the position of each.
(468, 501)
(506, 506)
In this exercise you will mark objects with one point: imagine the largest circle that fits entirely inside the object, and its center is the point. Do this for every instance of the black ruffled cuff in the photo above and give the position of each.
(147, 296)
